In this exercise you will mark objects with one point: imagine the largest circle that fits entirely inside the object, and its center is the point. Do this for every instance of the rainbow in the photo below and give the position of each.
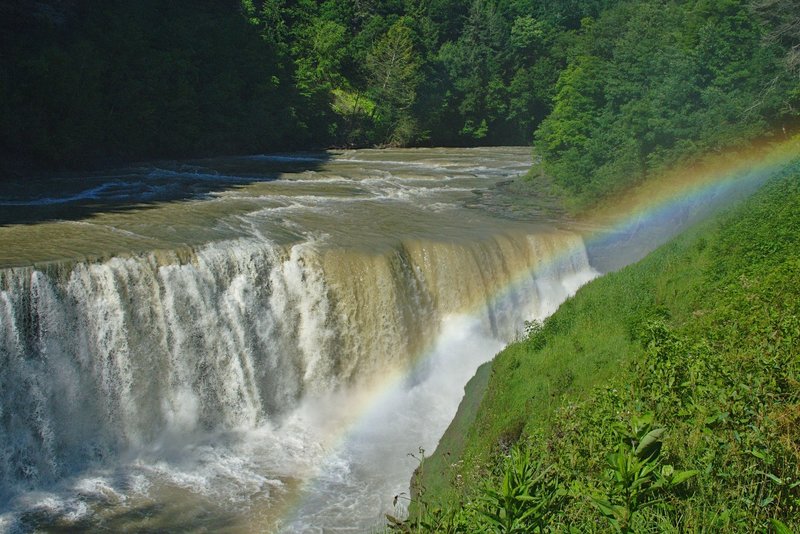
(734, 174)
(680, 194)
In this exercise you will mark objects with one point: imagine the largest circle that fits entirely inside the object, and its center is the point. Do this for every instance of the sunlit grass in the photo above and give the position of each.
(702, 338)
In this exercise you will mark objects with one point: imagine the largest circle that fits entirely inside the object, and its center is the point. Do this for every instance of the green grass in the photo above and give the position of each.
(701, 338)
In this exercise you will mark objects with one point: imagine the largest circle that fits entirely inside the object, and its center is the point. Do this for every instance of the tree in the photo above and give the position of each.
(320, 56)
(474, 65)
(393, 66)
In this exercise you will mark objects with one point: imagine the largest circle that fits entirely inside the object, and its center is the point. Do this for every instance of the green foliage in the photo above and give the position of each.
(392, 65)
(635, 477)
(320, 52)
(524, 500)
(616, 89)
(650, 83)
(121, 80)
(664, 397)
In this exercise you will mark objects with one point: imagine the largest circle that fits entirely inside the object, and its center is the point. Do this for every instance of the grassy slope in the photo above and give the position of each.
(727, 298)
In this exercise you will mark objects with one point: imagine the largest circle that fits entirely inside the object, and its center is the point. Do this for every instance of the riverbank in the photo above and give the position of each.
(700, 338)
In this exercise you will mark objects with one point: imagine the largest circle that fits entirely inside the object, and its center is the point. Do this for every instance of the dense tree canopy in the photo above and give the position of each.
(650, 83)
(615, 89)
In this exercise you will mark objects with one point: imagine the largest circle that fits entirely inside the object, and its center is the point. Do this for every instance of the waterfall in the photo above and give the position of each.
(101, 358)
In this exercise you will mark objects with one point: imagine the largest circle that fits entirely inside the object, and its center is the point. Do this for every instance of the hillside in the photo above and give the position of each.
(701, 339)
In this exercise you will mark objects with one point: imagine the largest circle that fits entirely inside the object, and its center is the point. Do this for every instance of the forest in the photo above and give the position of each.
(608, 91)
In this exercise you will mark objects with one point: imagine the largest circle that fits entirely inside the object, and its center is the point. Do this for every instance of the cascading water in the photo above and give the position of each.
(275, 372)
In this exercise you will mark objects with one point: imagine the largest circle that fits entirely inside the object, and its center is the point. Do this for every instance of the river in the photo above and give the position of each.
(256, 343)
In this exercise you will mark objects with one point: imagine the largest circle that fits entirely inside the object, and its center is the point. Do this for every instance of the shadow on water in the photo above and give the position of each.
(144, 518)
(74, 196)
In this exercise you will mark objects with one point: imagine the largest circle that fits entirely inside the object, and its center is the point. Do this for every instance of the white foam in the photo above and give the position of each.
(9, 524)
